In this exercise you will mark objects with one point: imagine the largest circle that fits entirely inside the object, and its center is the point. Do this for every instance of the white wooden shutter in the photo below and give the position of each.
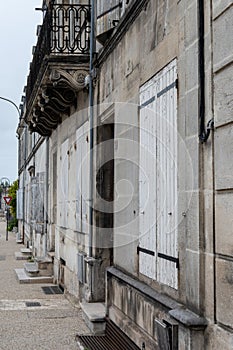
(79, 180)
(64, 182)
(85, 177)
(40, 198)
(19, 209)
(147, 182)
(167, 264)
(82, 192)
(158, 255)
(34, 197)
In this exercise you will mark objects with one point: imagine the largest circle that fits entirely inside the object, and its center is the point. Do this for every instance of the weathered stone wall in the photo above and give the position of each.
(223, 167)
(159, 34)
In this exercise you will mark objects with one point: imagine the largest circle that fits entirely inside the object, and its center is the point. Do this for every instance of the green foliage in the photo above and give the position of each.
(12, 192)
(12, 223)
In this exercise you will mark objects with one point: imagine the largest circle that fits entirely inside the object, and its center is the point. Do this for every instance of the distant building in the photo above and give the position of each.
(143, 221)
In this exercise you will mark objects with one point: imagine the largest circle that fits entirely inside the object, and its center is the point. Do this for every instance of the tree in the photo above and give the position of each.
(12, 192)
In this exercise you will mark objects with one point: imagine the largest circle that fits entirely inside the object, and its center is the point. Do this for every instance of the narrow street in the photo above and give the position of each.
(52, 324)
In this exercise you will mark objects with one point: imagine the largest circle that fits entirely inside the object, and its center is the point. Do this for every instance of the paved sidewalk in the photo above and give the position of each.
(52, 325)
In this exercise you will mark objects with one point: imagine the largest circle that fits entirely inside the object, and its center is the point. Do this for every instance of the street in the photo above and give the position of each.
(52, 323)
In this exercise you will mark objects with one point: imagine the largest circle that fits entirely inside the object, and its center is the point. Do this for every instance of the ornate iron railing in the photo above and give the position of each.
(65, 31)
(70, 28)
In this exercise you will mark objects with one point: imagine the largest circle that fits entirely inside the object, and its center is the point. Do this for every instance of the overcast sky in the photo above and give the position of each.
(18, 22)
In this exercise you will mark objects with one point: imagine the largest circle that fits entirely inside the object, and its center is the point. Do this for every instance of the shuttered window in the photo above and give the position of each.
(63, 182)
(82, 185)
(37, 190)
(19, 209)
(108, 15)
(158, 253)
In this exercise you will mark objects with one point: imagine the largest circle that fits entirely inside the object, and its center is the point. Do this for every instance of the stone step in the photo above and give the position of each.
(26, 251)
(20, 256)
(44, 263)
(24, 278)
(19, 241)
(94, 316)
(31, 269)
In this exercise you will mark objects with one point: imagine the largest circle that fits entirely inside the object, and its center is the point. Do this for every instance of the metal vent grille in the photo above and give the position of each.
(52, 290)
(32, 303)
(114, 339)
(2, 257)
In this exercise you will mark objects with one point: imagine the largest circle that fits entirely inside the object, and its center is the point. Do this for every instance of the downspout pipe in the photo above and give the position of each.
(91, 120)
(46, 188)
(24, 181)
(203, 132)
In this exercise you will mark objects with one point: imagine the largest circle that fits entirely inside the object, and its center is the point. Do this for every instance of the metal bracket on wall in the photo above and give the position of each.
(204, 135)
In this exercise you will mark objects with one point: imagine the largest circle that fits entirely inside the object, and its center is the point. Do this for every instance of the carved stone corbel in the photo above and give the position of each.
(73, 78)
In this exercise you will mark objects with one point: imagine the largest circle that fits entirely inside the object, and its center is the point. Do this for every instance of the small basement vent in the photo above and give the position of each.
(32, 303)
(167, 335)
(81, 267)
(52, 290)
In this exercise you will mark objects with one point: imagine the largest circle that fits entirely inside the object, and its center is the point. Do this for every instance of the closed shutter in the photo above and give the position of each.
(20, 204)
(82, 192)
(147, 182)
(158, 254)
(85, 177)
(79, 180)
(108, 15)
(39, 202)
(167, 176)
(63, 184)
(34, 196)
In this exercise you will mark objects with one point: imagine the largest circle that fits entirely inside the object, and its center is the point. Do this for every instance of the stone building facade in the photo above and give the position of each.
(125, 170)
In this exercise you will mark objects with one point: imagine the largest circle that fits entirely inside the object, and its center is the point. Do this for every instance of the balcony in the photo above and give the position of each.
(59, 66)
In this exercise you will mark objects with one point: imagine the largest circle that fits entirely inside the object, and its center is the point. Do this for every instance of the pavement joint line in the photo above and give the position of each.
(11, 305)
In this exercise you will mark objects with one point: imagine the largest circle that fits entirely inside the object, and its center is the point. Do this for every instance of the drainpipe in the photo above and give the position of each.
(90, 259)
(24, 180)
(46, 199)
(91, 111)
(203, 132)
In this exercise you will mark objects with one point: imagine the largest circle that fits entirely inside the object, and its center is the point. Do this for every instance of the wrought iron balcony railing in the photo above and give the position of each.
(64, 33)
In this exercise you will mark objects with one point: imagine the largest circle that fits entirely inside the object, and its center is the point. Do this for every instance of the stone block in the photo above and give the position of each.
(191, 65)
(209, 287)
(218, 338)
(94, 315)
(192, 163)
(223, 158)
(192, 217)
(193, 279)
(224, 223)
(191, 29)
(219, 6)
(223, 97)
(223, 45)
(192, 120)
(224, 292)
